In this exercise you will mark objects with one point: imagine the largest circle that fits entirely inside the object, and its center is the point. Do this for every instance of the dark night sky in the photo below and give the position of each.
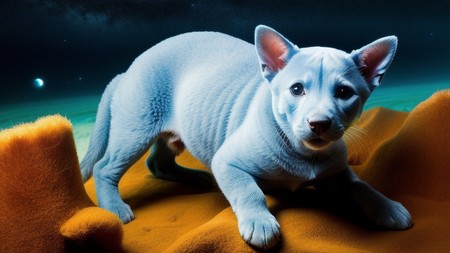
(77, 46)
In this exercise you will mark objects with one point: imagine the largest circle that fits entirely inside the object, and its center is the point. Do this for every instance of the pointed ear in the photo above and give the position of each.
(374, 59)
(274, 50)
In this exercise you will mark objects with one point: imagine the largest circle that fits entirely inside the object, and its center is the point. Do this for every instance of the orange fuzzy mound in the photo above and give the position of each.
(404, 155)
(43, 204)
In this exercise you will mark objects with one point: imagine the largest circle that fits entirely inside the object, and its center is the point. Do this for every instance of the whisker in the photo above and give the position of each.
(359, 138)
(356, 133)
(359, 131)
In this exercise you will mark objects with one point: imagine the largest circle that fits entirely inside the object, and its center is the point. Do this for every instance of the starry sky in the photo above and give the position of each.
(78, 46)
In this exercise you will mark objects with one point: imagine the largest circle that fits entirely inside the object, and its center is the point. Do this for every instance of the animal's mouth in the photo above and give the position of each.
(316, 143)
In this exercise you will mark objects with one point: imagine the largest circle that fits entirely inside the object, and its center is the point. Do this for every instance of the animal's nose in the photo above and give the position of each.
(319, 126)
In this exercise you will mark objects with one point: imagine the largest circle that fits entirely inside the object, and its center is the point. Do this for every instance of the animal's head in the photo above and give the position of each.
(317, 92)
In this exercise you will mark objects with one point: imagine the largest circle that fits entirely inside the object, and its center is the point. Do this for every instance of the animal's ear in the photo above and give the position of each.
(374, 59)
(274, 50)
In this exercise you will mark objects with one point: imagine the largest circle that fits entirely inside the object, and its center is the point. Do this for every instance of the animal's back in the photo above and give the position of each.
(198, 85)
(216, 80)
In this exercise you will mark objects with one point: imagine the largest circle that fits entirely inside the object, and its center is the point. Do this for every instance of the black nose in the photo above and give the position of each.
(319, 126)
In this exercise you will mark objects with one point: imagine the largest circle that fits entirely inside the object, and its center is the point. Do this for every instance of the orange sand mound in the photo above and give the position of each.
(43, 205)
(404, 155)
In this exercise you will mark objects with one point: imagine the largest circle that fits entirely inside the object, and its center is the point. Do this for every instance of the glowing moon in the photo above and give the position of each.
(38, 82)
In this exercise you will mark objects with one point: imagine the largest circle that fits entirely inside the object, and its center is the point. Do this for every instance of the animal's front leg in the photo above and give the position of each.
(381, 210)
(258, 227)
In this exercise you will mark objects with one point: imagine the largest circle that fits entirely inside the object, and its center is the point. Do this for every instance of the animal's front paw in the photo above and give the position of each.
(260, 231)
(122, 210)
(389, 214)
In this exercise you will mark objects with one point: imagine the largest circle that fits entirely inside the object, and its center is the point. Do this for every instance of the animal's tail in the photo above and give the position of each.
(100, 134)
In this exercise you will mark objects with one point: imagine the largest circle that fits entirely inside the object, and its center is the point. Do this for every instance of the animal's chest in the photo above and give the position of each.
(297, 173)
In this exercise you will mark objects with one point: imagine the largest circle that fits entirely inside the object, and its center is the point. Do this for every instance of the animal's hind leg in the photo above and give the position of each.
(125, 147)
(161, 163)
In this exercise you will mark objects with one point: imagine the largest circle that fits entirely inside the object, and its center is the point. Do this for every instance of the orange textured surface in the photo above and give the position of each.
(41, 189)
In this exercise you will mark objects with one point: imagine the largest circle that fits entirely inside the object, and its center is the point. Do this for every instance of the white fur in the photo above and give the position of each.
(234, 112)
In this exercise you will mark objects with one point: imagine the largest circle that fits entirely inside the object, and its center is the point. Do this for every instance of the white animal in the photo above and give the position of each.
(258, 118)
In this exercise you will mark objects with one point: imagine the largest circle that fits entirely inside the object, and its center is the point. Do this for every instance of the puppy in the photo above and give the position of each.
(258, 115)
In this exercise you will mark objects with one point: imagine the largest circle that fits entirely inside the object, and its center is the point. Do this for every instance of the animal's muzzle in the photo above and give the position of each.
(319, 126)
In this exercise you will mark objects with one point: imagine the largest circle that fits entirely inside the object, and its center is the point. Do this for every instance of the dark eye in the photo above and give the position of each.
(297, 89)
(344, 92)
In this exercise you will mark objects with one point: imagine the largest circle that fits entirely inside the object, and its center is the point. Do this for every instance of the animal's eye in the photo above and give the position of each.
(344, 92)
(297, 89)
